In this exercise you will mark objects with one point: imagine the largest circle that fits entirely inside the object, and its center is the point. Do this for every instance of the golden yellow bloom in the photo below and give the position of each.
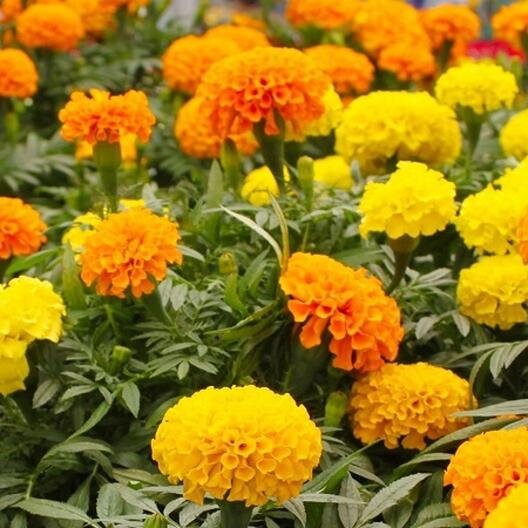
(10, 9)
(522, 237)
(333, 171)
(13, 372)
(407, 61)
(515, 179)
(53, 26)
(363, 322)
(245, 38)
(188, 59)
(510, 22)
(407, 404)
(414, 201)
(130, 250)
(511, 511)
(483, 471)
(249, 87)
(514, 136)
(483, 87)
(81, 229)
(494, 290)
(105, 117)
(18, 74)
(324, 14)
(84, 149)
(409, 126)
(259, 184)
(351, 72)
(238, 444)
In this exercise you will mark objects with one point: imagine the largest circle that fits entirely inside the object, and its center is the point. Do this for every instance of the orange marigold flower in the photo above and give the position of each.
(244, 20)
(245, 38)
(250, 87)
(96, 15)
(18, 74)
(129, 250)
(351, 72)
(364, 322)
(188, 58)
(105, 117)
(484, 469)
(197, 138)
(511, 22)
(21, 228)
(54, 26)
(10, 9)
(522, 238)
(325, 14)
(407, 61)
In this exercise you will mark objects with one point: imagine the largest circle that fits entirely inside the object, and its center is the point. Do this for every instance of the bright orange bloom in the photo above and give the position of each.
(250, 87)
(407, 61)
(325, 14)
(351, 72)
(188, 58)
(53, 26)
(522, 238)
(18, 74)
(364, 322)
(105, 117)
(245, 38)
(510, 22)
(197, 138)
(10, 9)
(21, 228)
(96, 15)
(483, 471)
(130, 249)
(242, 19)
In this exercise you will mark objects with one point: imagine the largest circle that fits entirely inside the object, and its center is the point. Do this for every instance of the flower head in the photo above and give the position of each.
(245, 38)
(407, 404)
(407, 62)
(522, 237)
(415, 201)
(514, 136)
(10, 9)
(334, 172)
(259, 184)
(82, 227)
(409, 126)
(363, 322)
(96, 15)
(324, 14)
(251, 87)
(481, 86)
(483, 470)
(54, 26)
(510, 22)
(128, 250)
(493, 49)
(493, 291)
(511, 511)
(103, 117)
(18, 74)
(13, 372)
(238, 444)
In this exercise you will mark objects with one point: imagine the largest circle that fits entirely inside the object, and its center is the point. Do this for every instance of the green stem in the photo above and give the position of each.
(155, 306)
(230, 161)
(4, 264)
(402, 248)
(235, 514)
(107, 157)
(444, 54)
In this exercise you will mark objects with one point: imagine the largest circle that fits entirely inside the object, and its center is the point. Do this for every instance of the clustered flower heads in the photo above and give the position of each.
(511, 512)
(381, 126)
(483, 470)
(324, 14)
(363, 322)
(407, 404)
(415, 201)
(510, 22)
(514, 136)
(18, 74)
(245, 38)
(239, 444)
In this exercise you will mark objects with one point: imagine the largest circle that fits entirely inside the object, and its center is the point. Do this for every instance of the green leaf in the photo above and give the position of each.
(72, 287)
(19, 264)
(99, 413)
(109, 502)
(349, 514)
(296, 507)
(215, 186)
(8, 500)
(54, 510)
(499, 409)
(131, 396)
(45, 392)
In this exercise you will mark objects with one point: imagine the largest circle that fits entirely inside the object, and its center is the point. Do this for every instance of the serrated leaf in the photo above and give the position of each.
(349, 514)
(109, 502)
(54, 510)
(45, 392)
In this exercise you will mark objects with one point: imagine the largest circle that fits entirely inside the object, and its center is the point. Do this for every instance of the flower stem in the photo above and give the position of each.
(107, 157)
(155, 306)
(402, 248)
(272, 149)
(235, 514)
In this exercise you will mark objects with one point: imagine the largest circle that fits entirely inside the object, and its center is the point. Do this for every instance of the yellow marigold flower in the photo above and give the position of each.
(483, 471)
(522, 237)
(10, 9)
(249, 87)
(494, 290)
(363, 322)
(351, 72)
(333, 171)
(188, 59)
(407, 61)
(130, 249)
(81, 229)
(13, 372)
(245, 38)
(21, 228)
(483, 87)
(198, 139)
(511, 511)
(238, 444)
(84, 149)
(18, 74)
(325, 14)
(407, 404)
(510, 22)
(414, 201)
(259, 184)
(53, 26)
(104, 117)
(515, 179)
(409, 126)
(514, 136)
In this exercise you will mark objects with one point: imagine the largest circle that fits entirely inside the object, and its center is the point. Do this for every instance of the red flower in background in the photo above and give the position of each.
(480, 49)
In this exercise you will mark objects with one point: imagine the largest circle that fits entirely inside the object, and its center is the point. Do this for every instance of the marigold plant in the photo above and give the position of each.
(18, 74)
(333, 172)
(510, 23)
(238, 444)
(407, 61)
(259, 184)
(514, 136)
(511, 511)
(363, 322)
(245, 38)
(324, 14)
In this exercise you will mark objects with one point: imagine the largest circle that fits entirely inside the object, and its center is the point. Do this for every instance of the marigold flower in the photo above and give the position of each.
(238, 444)
(514, 136)
(259, 184)
(407, 404)
(18, 74)
(54, 26)
(249, 87)
(82, 227)
(334, 172)
(21, 228)
(494, 290)
(324, 14)
(198, 139)
(407, 62)
(515, 179)
(245, 38)
(351, 72)
(510, 22)
(511, 511)
(409, 126)
(188, 58)
(96, 15)
(128, 144)
(128, 250)
(483, 87)
(414, 201)
(10, 9)
(493, 49)
(103, 117)
(363, 322)
(483, 470)
(13, 372)
(522, 237)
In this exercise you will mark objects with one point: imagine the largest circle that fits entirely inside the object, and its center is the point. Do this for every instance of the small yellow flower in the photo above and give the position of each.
(13, 372)
(333, 171)
(514, 136)
(259, 184)
(82, 228)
